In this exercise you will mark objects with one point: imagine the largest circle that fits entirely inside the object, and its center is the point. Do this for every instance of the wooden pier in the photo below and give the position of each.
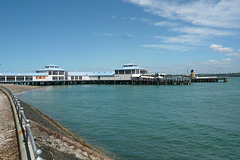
(209, 79)
(137, 81)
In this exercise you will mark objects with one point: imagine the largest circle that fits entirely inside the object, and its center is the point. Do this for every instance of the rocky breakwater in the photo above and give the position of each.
(55, 141)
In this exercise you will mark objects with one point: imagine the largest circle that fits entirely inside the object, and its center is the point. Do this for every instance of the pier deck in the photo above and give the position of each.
(209, 79)
(141, 81)
(134, 81)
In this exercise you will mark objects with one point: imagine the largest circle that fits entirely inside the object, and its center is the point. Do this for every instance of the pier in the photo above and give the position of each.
(134, 81)
(209, 79)
(206, 79)
(128, 74)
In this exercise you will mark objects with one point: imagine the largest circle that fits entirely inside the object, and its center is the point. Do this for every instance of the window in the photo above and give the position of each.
(72, 77)
(28, 78)
(20, 78)
(76, 77)
(2, 78)
(41, 72)
(128, 72)
(143, 72)
(61, 78)
(116, 71)
(61, 72)
(55, 72)
(10, 78)
(133, 71)
(55, 78)
(121, 72)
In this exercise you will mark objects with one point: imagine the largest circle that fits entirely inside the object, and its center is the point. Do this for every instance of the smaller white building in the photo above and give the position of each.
(53, 72)
(129, 71)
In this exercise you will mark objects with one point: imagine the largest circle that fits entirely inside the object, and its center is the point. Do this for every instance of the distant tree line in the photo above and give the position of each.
(206, 75)
(220, 75)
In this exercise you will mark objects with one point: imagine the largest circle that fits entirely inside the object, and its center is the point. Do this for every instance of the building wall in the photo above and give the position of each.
(123, 77)
(104, 78)
(75, 78)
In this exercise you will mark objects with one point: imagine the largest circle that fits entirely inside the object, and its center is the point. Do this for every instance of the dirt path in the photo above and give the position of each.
(8, 139)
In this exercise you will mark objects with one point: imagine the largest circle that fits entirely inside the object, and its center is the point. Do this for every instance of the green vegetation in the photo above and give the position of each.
(220, 75)
(206, 75)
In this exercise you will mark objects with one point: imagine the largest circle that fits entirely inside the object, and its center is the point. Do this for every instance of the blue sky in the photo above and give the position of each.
(99, 35)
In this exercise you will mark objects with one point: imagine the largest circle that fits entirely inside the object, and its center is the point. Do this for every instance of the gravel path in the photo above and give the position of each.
(8, 139)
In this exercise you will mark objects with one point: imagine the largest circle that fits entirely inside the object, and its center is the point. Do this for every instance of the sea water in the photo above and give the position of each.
(141, 122)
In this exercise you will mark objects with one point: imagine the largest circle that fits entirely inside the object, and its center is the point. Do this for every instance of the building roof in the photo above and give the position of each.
(51, 67)
(91, 73)
(22, 74)
(129, 66)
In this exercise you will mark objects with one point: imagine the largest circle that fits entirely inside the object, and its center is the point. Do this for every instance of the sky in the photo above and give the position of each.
(171, 36)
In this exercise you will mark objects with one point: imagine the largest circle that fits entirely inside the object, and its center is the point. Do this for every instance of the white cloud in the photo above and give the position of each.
(95, 34)
(113, 17)
(166, 23)
(133, 18)
(168, 47)
(193, 40)
(223, 61)
(126, 35)
(215, 13)
(158, 37)
(141, 2)
(145, 20)
(237, 55)
(109, 34)
(203, 31)
(220, 48)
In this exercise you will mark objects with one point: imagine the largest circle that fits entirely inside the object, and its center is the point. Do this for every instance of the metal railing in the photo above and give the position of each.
(28, 151)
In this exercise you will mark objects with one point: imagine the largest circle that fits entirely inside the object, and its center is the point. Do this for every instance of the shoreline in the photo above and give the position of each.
(55, 141)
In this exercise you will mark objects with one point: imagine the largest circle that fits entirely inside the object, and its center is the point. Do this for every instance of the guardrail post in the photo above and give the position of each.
(37, 154)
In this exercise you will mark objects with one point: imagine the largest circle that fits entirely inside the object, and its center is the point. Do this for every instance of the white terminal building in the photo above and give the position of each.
(55, 73)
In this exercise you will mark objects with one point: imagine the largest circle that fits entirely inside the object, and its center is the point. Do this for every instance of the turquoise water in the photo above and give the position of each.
(199, 121)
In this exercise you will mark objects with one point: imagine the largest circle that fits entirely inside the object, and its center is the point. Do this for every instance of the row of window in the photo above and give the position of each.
(137, 71)
(18, 78)
(56, 78)
(51, 66)
(28, 78)
(76, 77)
(55, 72)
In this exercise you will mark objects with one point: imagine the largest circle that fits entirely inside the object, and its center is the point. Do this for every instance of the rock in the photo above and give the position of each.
(80, 156)
(85, 154)
(93, 158)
